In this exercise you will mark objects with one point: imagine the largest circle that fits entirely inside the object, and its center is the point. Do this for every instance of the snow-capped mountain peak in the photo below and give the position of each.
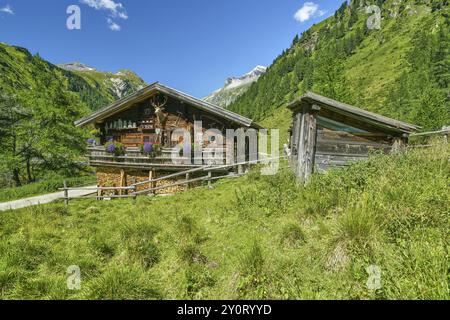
(247, 78)
(76, 66)
(234, 87)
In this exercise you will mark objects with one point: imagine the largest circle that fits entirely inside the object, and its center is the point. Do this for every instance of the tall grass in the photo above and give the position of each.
(258, 237)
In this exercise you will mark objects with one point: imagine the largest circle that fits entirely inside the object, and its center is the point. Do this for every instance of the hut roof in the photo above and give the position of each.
(349, 111)
(150, 90)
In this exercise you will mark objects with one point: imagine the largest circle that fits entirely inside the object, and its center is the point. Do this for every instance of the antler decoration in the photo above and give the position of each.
(159, 102)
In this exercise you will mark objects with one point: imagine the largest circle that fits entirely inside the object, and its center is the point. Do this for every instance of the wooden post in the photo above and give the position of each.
(151, 177)
(295, 140)
(306, 142)
(122, 181)
(400, 143)
(209, 180)
(66, 194)
(134, 193)
(187, 179)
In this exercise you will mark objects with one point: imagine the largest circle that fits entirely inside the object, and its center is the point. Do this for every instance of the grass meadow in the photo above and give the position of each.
(258, 237)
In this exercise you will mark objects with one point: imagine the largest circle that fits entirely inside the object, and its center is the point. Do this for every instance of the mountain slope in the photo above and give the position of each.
(112, 86)
(39, 103)
(19, 69)
(235, 87)
(401, 70)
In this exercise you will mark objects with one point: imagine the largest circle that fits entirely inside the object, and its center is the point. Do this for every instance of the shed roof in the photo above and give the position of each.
(371, 118)
(150, 90)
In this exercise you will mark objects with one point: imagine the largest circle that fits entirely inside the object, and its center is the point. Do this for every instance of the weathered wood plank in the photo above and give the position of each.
(342, 135)
(306, 143)
(336, 160)
(358, 149)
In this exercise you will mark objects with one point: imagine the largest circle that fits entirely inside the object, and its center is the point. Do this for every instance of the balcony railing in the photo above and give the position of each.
(169, 158)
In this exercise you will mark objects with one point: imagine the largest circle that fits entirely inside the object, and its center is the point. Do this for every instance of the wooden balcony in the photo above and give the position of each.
(169, 160)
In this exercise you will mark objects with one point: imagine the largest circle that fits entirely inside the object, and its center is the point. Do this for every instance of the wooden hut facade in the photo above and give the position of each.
(151, 116)
(327, 134)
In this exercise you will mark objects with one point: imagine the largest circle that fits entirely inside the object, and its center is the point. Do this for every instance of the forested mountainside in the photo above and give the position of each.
(400, 70)
(19, 68)
(38, 104)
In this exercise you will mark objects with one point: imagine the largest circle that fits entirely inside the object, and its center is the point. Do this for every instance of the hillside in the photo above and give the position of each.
(39, 103)
(254, 238)
(95, 89)
(111, 86)
(235, 87)
(401, 70)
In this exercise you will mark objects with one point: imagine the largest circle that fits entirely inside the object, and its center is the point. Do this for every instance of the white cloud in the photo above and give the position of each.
(116, 11)
(113, 26)
(7, 9)
(307, 11)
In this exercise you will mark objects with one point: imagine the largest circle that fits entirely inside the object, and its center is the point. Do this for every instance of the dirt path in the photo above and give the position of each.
(46, 198)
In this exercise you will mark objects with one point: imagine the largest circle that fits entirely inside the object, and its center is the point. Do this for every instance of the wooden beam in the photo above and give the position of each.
(209, 180)
(122, 181)
(187, 179)
(151, 178)
(306, 142)
(66, 194)
(295, 139)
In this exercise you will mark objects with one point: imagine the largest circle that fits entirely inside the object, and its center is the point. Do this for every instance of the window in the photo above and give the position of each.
(150, 138)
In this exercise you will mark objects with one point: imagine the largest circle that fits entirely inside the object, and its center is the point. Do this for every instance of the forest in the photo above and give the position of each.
(400, 71)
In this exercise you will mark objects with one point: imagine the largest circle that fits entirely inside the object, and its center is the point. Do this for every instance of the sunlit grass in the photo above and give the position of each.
(256, 237)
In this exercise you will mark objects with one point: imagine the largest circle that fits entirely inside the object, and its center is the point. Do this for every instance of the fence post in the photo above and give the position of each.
(209, 180)
(151, 177)
(187, 179)
(134, 193)
(66, 194)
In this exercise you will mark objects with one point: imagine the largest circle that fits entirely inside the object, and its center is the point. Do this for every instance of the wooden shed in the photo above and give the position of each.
(327, 134)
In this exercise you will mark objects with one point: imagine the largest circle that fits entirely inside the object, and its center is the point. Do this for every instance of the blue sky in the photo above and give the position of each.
(190, 45)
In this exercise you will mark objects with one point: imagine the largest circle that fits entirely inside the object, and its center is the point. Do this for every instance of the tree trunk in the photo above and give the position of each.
(29, 175)
(16, 177)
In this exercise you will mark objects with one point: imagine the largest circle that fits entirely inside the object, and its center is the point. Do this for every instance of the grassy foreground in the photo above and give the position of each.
(257, 237)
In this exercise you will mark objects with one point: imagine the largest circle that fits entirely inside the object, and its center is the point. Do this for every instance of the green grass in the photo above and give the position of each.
(47, 185)
(254, 238)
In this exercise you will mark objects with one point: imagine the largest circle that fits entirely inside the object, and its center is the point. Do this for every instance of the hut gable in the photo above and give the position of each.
(149, 91)
(153, 131)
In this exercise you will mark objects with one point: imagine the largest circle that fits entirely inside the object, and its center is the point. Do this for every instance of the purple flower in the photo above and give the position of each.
(111, 148)
(91, 141)
(148, 148)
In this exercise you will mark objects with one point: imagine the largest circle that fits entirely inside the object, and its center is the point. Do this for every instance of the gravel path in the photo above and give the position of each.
(46, 198)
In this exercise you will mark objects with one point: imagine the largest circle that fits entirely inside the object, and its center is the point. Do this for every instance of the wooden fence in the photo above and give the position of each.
(188, 181)
(444, 133)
